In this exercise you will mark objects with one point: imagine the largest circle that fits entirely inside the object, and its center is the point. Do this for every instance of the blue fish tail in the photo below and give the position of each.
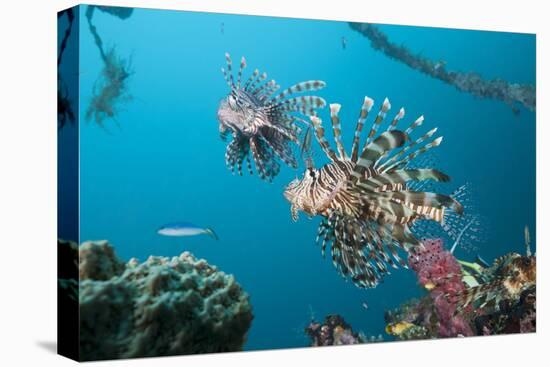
(211, 233)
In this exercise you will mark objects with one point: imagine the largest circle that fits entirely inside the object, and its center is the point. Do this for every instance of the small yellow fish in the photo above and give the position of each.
(429, 286)
(398, 328)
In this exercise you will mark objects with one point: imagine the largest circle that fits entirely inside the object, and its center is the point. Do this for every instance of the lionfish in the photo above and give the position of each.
(366, 204)
(506, 279)
(262, 123)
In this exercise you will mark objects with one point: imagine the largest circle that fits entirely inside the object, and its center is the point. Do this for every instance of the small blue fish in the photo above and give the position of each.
(183, 229)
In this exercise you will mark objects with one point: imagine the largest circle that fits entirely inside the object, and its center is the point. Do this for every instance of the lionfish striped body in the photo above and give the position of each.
(506, 279)
(263, 124)
(363, 198)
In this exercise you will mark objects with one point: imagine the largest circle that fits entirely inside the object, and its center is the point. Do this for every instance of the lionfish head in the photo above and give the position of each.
(526, 269)
(298, 194)
(520, 274)
(236, 113)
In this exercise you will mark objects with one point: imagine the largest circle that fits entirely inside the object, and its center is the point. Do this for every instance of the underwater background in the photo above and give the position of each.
(160, 158)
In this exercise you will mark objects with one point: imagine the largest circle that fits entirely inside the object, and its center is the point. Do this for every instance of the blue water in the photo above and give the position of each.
(162, 159)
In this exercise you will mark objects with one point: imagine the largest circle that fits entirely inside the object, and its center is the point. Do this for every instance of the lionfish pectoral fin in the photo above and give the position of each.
(482, 294)
(294, 212)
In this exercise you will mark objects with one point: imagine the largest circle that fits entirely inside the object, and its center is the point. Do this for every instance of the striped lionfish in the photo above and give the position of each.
(261, 123)
(506, 279)
(366, 204)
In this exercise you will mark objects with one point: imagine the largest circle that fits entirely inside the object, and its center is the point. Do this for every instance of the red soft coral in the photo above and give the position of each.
(438, 270)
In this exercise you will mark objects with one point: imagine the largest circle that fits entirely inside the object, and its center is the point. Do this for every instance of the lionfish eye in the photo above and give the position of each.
(311, 173)
(232, 101)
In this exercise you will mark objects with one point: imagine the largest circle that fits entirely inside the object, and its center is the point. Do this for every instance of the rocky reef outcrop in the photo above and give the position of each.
(334, 330)
(163, 306)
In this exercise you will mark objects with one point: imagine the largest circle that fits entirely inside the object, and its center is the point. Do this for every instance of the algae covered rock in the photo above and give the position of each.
(163, 306)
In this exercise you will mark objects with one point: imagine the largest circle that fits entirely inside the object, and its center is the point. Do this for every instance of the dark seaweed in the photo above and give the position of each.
(65, 111)
(111, 87)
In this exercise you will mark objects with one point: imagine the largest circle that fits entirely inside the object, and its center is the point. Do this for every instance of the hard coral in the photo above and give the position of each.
(159, 307)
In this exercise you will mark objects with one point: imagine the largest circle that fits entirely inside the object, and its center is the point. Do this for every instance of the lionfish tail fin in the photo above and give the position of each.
(460, 222)
(463, 225)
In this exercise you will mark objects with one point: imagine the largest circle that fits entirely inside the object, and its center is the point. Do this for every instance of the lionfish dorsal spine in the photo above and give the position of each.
(363, 114)
(306, 86)
(229, 70)
(257, 85)
(398, 117)
(392, 126)
(395, 161)
(320, 136)
(384, 108)
(389, 180)
(251, 79)
(304, 104)
(240, 74)
(373, 151)
(337, 130)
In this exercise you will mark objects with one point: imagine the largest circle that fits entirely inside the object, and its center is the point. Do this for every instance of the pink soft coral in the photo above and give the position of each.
(438, 271)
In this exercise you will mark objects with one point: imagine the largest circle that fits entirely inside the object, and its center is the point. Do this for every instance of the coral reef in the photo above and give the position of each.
(335, 331)
(440, 273)
(98, 261)
(473, 83)
(415, 319)
(67, 298)
(511, 317)
(468, 298)
(163, 306)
